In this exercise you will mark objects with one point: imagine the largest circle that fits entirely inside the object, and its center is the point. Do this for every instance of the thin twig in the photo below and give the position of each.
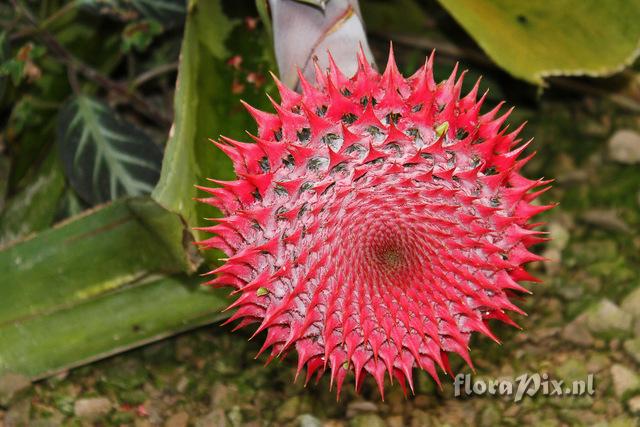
(59, 13)
(579, 86)
(29, 31)
(444, 48)
(153, 73)
(140, 104)
(72, 76)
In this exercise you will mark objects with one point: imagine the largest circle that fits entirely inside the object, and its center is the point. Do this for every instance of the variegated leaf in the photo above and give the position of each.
(104, 156)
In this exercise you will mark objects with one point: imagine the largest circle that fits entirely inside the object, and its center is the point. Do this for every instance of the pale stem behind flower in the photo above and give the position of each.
(302, 32)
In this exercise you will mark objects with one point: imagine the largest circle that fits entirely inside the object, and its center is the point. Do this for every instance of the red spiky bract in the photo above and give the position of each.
(376, 222)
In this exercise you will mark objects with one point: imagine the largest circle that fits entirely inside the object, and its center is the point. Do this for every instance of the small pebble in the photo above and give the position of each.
(12, 385)
(94, 407)
(624, 147)
(360, 406)
(624, 379)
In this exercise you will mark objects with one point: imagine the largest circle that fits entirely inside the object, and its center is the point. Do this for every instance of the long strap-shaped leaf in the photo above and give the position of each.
(106, 281)
(105, 324)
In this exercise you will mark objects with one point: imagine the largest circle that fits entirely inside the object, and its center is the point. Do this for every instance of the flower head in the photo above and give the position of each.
(375, 223)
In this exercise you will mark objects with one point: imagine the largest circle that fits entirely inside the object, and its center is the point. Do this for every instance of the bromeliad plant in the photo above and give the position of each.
(376, 222)
(395, 223)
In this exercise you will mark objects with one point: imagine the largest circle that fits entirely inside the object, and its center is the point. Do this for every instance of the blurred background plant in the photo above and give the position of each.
(97, 137)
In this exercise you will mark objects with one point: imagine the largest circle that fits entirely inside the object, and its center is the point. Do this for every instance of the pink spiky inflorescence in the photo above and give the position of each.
(376, 222)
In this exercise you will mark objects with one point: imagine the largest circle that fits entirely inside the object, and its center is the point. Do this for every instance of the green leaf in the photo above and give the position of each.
(106, 324)
(14, 69)
(204, 108)
(96, 285)
(185, 154)
(262, 7)
(139, 35)
(103, 156)
(537, 39)
(34, 207)
(130, 238)
(210, 26)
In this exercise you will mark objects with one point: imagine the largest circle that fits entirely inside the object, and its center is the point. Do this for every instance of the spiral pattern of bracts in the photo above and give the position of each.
(375, 223)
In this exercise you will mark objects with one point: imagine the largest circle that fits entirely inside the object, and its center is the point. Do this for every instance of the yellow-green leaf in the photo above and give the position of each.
(536, 39)
(205, 107)
(200, 96)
